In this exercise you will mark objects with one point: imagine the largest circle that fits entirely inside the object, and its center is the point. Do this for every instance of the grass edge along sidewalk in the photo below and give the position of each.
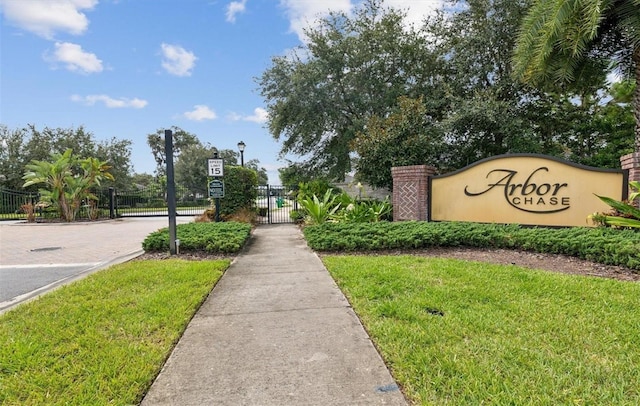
(101, 340)
(463, 333)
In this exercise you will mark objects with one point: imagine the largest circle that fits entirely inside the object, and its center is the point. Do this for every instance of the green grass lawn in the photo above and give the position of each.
(101, 340)
(466, 333)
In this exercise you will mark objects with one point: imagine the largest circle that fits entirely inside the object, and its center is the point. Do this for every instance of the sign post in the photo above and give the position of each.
(171, 191)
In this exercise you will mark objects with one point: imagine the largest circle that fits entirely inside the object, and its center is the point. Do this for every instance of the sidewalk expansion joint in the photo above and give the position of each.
(300, 309)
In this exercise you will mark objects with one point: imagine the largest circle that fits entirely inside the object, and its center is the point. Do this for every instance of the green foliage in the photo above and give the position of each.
(68, 181)
(261, 172)
(556, 37)
(354, 213)
(599, 133)
(625, 214)
(293, 174)
(408, 136)
(341, 208)
(354, 210)
(565, 41)
(190, 168)
(319, 211)
(240, 189)
(296, 215)
(24, 145)
(318, 187)
(603, 245)
(224, 237)
(181, 140)
(381, 210)
(101, 340)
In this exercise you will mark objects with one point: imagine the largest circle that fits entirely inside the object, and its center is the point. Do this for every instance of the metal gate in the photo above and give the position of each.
(276, 204)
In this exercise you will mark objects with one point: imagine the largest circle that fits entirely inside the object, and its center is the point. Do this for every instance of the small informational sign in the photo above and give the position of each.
(215, 167)
(216, 189)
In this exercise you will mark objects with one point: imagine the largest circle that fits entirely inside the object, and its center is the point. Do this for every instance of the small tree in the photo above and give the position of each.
(68, 181)
(240, 190)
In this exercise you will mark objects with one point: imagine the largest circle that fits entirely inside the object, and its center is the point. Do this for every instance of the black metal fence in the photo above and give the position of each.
(274, 204)
(149, 202)
(19, 205)
(14, 204)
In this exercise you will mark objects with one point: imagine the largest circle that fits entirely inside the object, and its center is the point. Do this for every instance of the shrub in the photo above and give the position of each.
(207, 216)
(603, 245)
(29, 210)
(240, 190)
(296, 216)
(243, 215)
(227, 237)
(157, 203)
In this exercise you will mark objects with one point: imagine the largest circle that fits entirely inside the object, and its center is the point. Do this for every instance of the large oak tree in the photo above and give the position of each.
(352, 68)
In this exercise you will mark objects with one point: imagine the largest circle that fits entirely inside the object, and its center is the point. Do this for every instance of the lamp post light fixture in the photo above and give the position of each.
(241, 146)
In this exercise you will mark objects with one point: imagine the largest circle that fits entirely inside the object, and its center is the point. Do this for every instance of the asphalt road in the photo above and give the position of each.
(35, 258)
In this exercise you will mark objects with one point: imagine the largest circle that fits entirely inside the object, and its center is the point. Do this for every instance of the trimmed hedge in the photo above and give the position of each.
(227, 237)
(603, 245)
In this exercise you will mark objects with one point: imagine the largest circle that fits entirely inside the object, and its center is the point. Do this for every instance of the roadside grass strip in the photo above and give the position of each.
(467, 333)
(101, 340)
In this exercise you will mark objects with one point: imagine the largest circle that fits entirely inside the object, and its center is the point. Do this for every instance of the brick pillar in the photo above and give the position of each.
(410, 188)
(631, 162)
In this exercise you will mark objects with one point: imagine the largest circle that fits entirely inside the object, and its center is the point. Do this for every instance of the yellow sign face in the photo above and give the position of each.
(524, 189)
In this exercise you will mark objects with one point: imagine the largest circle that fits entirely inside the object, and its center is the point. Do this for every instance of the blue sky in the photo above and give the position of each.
(126, 68)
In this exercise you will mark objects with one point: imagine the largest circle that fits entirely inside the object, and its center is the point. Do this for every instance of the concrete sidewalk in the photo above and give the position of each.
(276, 330)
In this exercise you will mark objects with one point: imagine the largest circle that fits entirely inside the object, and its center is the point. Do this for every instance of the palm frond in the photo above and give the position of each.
(556, 36)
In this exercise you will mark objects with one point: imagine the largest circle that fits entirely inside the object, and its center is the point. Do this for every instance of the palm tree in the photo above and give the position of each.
(561, 39)
(64, 188)
(56, 176)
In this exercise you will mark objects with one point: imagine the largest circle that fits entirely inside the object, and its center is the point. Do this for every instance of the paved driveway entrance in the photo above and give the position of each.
(35, 258)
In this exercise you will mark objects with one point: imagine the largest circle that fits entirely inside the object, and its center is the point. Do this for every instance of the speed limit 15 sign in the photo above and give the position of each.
(215, 167)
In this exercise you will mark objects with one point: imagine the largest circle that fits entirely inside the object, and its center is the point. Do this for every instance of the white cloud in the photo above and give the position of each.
(46, 17)
(305, 13)
(75, 58)
(235, 7)
(416, 11)
(110, 102)
(259, 115)
(200, 112)
(177, 60)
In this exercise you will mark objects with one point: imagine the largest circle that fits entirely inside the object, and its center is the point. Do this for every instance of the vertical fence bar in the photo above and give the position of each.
(269, 214)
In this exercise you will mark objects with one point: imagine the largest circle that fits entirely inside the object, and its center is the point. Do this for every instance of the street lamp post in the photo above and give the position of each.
(241, 146)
